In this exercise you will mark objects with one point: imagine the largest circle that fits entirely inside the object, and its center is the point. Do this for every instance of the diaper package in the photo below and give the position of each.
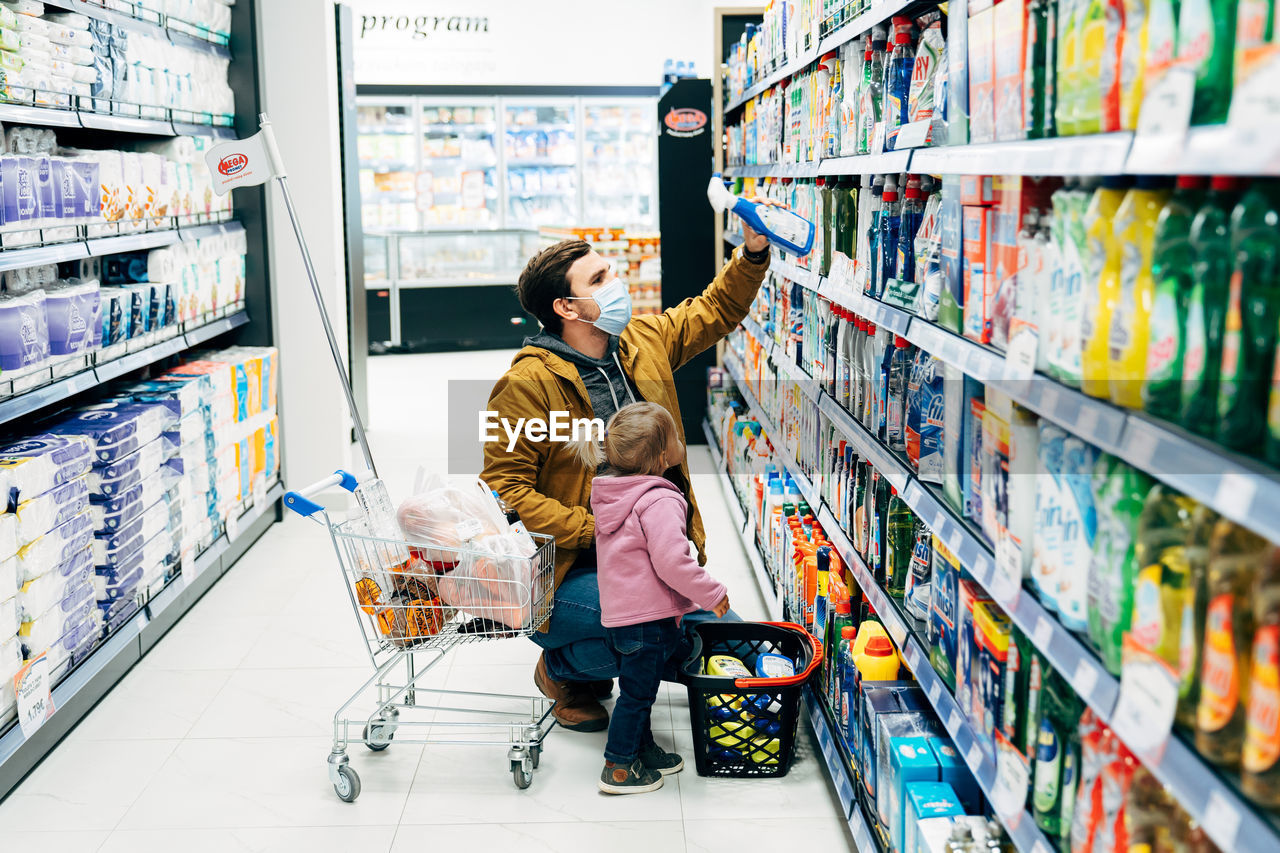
(114, 548)
(55, 547)
(129, 471)
(53, 591)
(38, 515)
(37, 464)
(112, 513)
(116, 429)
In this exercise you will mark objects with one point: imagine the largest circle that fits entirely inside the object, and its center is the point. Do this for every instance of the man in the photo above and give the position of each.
(589, 360)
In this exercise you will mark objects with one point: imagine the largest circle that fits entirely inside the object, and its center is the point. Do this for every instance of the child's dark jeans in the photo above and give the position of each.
(644, 651)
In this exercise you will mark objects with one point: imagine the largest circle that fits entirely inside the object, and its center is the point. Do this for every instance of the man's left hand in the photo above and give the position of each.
(753, 240)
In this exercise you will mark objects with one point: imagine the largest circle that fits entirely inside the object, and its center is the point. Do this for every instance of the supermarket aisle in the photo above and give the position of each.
(217, 740)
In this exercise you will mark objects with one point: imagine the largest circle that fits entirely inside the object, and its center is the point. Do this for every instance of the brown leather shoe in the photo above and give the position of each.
(575, 709)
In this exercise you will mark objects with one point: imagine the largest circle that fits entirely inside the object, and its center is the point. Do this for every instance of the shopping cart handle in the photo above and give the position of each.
(299, 501)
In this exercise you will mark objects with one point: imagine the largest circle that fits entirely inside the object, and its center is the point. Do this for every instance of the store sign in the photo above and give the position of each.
(684, 121)
(35, 702)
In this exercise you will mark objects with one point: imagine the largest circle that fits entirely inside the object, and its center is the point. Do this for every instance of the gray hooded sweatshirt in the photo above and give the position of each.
(608, 387)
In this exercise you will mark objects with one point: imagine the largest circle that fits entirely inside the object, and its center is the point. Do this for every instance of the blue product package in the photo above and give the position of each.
(911, 759)
(53, 627)
(943, 613)
(18, 189)
(115, 547)
(931, 466)
(190, 429)
(157, 551)
(973, 416)
(907, 724)
(927, 800)
(78, 189)
(111, 326)
(128, 471)
(41, 513)
(188, 395)
(954, 465)
(37, 464)
(116, 428)
(111, 514)
(55, 547)
(133, 317)
(956, 773)
(116, 613)
(1046, 557)
(1079, 527)
(73, 314)
(52, 593)
(77, 564)
(118, 585)
(46, 188)
(24, 331)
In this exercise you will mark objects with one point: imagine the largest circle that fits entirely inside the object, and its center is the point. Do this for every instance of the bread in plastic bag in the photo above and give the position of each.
(447, 515)
(498, 582)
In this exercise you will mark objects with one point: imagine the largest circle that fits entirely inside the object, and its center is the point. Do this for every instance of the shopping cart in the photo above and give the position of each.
(396, 589)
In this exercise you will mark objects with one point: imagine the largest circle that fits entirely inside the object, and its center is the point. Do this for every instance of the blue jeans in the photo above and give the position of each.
(644, 652)
(576, 647)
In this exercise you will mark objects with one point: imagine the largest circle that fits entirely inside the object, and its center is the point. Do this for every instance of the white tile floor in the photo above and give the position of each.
(217, 740)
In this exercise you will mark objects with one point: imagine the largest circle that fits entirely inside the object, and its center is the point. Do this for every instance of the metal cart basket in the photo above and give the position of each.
(398, 591)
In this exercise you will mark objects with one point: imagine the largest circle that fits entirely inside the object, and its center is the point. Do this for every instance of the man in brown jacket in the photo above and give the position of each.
(590, 359)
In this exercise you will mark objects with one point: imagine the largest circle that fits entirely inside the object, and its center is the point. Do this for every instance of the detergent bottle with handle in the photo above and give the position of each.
(789, 230)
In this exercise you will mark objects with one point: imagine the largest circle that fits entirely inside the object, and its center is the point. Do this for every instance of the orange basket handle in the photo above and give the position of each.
(799, 677)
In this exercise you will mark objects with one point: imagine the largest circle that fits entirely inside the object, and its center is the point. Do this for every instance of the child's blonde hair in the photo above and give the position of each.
(634, 440)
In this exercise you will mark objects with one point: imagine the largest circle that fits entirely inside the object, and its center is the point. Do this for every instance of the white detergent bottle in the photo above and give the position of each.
(788, 230)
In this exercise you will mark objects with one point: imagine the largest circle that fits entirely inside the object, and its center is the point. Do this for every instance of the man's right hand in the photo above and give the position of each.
(722, 608)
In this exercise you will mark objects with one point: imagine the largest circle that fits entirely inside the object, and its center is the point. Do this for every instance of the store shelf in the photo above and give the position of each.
(826, 736)
(773, 606)
(126, 124)
(798, 64)
(1103, 154)
(861, 24)
(20, 405)
(867, 164)
(734, 240)
(80, 690)
(174, 30)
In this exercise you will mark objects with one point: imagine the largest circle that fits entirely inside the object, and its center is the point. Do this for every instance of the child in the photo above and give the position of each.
(648, 581)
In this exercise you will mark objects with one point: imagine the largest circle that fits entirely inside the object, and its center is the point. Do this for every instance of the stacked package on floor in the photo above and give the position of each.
(195, 508)
(133, 498)
(49, 524)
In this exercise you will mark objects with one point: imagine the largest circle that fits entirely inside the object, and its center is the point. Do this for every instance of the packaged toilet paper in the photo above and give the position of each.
(75, 645)
(40, 514)
(116, 547)
(129, 471)
(8, 579)
(191, 393)
(54, 548)
(35, 465)
(24, 332)
(112, 513)
(117, 327)
(9, 621)
(116, 429)
(81, 56)
(54, 626)
(79, 199)
(53, 591)
(74, 311)
(8, 543)
(116, 581)
(10, 663)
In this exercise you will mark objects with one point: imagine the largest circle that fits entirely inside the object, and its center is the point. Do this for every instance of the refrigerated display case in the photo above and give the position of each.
(619, 162)
(542, 157)
(458, 182)
(387, 142)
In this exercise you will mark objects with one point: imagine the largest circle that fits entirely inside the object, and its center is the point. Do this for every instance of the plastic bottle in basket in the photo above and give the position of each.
(380, 516)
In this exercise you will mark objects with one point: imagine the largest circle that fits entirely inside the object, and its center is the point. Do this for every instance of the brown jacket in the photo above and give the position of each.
(543, 481)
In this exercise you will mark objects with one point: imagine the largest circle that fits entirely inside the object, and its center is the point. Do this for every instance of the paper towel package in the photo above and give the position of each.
(37, 464)
(43, 632)
(55, 547)
(112, 513)
(128, 471)
(38, 515)
(117, 429)
(110, 549)
(48, 592)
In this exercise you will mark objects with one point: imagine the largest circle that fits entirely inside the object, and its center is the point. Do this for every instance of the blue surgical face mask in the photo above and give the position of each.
(614, 300)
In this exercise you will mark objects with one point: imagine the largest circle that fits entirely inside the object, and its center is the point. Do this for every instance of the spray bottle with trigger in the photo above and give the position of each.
(788, 230)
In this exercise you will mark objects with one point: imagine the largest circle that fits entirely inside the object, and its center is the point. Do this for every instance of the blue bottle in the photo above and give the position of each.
(912, 216)
(897, 81)
(890, 225)
(873, 242)
(787, 229)
(847, 678)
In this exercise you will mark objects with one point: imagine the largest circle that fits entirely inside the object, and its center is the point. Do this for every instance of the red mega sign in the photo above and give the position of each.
(232, 163)
(685, 119)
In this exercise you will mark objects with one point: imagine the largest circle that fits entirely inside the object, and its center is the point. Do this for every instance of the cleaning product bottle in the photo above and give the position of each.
(1114, 568)
(844, 327)
(1206, 45)
(878, 661)
(846, 675)
(870, 372)
(856, 367)
(909, 223)
(1057, 756)
(1163, 572)
(789, 230)
(1110, 215)
(875, 258)
(1194, 602)
(1131, 317)
(848, 224)
(1096, 73)
(886, 350)
(899, 371)
(1133, 60)
(872, 103)
(901, 528)
(1260, 759)
(860, 509)
(1171, 262)
(1207, 305)
(897, 81)
(1249, 336)
(890, 223)
(877, 511)
(1068, 69)
(1162, 40)
(1235, 556)
(825, 204)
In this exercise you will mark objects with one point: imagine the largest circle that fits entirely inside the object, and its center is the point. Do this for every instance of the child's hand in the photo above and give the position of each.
(722, 608)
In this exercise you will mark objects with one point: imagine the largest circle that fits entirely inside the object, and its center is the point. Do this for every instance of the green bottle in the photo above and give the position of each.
(1207, 306)
(1022, 671)
(1057, 758)
(1249, 336)
(878, 517)
(1035, 71)
(827, 197)
(901, 534)
(1206, 43)
(847, 227)
(1194, 609)
(1171, 263)
(1113, 572)
(1273, 414)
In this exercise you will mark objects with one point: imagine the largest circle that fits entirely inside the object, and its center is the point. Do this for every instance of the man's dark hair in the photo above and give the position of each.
(545, 279)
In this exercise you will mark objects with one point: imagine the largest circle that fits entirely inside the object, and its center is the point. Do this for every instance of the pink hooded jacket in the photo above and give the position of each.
(645, 570)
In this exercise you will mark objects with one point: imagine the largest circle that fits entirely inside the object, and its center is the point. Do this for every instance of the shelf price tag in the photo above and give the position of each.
(1234, 496)
(912, 135)
(1085, 678)
(35, 701)
(1042, 634)
(1020, 359)
(1144, 713)
(1013, 779)
(1221, 820)
(1006, 581)
(1164, 120)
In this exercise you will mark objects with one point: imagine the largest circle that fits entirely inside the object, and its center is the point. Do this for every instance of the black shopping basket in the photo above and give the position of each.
(746, 727)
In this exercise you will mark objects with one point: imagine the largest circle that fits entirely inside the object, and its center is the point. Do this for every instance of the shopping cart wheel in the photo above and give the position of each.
(348, 785)
(378, 737)
(535, 755)
(523, 778)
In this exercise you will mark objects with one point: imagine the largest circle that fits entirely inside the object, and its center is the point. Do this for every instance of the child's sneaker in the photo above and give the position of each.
(634, 778)
(656, 758)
